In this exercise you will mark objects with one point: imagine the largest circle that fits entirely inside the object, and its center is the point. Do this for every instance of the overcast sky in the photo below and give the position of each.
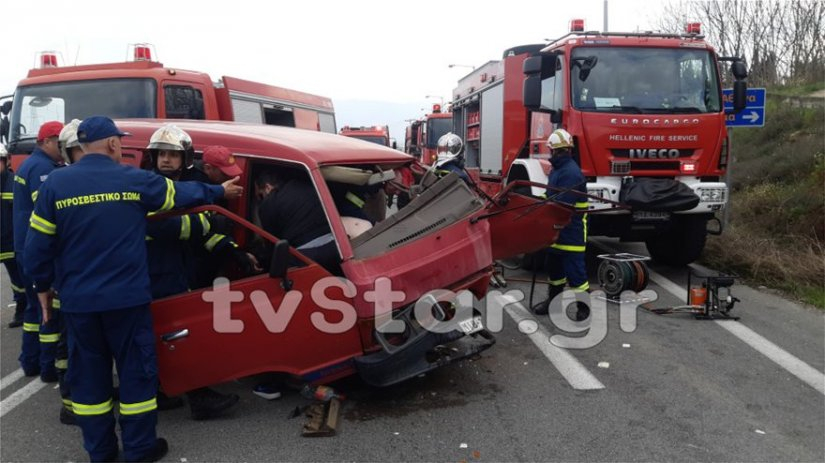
(351, 51)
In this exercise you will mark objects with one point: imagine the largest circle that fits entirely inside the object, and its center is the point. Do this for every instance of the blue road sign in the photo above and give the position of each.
(754, 113)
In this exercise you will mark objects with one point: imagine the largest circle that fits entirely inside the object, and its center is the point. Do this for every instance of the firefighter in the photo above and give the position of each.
(39, 342)
(7, 238)
(172, 155)
(71, 152)
(87, 240)
(450, 150)
(564, 260)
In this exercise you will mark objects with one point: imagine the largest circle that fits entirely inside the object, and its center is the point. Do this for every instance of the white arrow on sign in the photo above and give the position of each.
(753, 117)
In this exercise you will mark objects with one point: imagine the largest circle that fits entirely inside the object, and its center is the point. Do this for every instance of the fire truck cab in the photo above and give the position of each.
(375, 134)
(646, 114)
(143, 88)
(422, 135)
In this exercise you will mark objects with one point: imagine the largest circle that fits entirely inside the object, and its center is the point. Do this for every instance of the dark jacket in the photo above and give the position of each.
(6, 219)
(294, 213)
(31, 174)
(566, 174)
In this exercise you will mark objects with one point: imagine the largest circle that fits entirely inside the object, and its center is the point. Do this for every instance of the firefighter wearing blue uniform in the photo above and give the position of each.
(172, 154)
(87, 242)
(70, 152)
(565, 262)
(450, 150)
(7, 238)
(39, 342)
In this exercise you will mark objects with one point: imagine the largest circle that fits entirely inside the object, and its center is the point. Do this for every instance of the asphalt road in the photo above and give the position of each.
(675, 389)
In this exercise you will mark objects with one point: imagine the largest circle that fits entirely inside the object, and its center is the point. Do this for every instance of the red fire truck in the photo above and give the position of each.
(376, 134)
(143, 88)
(422, 135)
(640, 106)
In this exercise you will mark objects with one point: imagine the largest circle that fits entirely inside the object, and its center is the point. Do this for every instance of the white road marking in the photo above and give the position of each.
(786, 360)
(11, 378)
(9, 403)
(808, 374)
(570, 368)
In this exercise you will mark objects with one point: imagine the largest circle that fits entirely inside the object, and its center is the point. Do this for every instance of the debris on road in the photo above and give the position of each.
(626, 345)
(462, 446)
(323, 419)
(604, 364)
(759, 431)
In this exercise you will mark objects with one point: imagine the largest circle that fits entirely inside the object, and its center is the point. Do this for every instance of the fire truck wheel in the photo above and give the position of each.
(682, 244)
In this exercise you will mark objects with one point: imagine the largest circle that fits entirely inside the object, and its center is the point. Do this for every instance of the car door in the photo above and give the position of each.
(260, 327)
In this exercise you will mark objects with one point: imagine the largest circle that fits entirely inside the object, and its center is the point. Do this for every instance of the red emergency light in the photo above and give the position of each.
(577, 25)
(688, 167)
(693, 28)
(48, 59)
(143, 52)
(436, 108)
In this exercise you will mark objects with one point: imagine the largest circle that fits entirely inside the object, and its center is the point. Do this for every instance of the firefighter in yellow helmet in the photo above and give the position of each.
(565, 260)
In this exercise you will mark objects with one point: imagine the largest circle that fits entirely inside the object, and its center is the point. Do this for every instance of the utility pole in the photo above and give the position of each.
(605, 16)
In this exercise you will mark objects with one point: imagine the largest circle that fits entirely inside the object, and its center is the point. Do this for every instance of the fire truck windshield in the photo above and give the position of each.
(436, 128)
(379, 140)
(644, 80)
(64, 101)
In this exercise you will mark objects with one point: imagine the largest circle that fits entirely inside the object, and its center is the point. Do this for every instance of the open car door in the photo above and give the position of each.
(521, 224)
(267, 328)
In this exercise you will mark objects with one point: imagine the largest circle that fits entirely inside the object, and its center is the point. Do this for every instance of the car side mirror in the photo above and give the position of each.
(279, 264)
(6, 108)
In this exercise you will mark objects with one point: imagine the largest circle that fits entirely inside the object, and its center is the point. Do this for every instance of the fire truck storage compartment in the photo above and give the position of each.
(439, 206)
(491, 128)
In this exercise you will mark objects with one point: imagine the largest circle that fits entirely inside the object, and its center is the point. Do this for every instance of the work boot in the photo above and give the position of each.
(168, 403)
(205, 403)
(17, 321)
(160, 450)
(67, 417)
(582, 311)
(48, 376)
(543, 307)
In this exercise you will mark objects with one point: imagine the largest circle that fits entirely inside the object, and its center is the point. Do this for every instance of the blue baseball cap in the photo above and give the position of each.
(97, 128)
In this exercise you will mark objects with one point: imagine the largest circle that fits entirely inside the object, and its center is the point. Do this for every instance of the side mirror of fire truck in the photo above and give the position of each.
(740, 85)
(739, 70)
(5, 109)
(536, 69)
(279, 263)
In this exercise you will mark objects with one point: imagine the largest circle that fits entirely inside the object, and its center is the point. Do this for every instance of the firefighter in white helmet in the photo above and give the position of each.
(171, 152)
(171, 266)
(450, 149)
(565, 259)
(68, 144)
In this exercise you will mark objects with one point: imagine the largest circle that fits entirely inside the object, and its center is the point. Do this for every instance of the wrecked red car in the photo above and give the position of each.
(301, 319)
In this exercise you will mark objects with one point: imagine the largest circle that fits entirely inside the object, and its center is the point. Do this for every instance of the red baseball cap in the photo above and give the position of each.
(49, 129)
(220, 157)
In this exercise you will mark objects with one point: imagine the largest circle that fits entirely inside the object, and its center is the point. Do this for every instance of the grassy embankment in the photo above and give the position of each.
(776, 233)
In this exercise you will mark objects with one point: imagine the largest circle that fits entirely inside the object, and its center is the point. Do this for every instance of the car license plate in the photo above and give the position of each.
(651, 216)
(471, 325)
